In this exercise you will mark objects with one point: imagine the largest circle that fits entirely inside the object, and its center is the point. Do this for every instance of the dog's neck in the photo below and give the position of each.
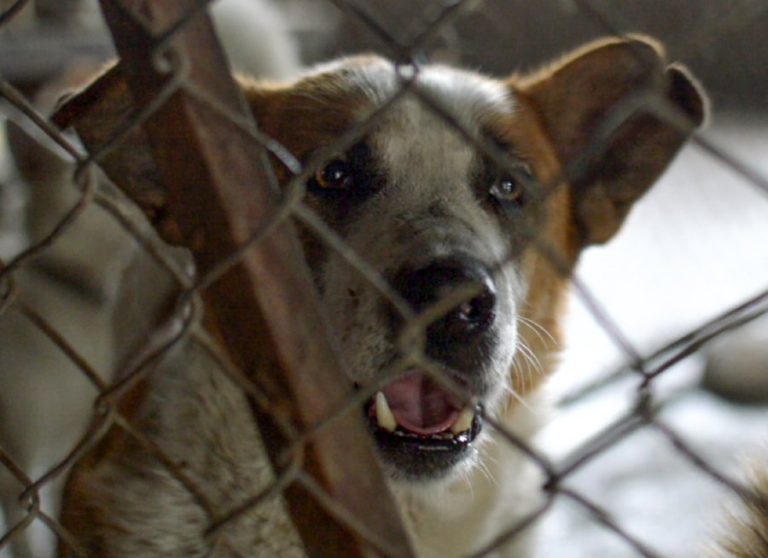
(500, 490)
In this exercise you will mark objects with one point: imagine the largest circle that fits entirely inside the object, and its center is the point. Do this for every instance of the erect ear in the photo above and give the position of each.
(606, 109)
(99, 113)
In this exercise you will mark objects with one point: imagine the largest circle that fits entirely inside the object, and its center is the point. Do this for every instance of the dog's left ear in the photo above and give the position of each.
(597, 107)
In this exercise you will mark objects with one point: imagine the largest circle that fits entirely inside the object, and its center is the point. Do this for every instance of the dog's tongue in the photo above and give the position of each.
(420, 405)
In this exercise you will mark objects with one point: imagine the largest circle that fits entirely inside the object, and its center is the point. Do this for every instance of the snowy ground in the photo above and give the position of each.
(695, 246)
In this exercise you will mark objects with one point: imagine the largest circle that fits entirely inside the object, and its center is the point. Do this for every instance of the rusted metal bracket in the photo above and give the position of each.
(213, 196)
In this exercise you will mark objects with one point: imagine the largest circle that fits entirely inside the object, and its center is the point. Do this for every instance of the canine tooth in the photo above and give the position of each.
(384, 415)
(464, 422)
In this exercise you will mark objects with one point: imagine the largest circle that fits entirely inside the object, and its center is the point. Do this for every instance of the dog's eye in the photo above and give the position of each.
(509, 188)
(336, 175)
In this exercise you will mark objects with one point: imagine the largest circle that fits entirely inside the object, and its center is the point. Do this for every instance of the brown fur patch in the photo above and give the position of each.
(561, 112)
(305, 118)
(86, 512)
(549, 255)
(597, 107)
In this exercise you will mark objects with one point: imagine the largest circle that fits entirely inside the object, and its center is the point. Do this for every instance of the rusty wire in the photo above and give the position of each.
(178, 326)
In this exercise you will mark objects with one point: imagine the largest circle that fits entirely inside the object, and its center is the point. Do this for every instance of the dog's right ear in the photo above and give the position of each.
(598, 109)
(100, 114)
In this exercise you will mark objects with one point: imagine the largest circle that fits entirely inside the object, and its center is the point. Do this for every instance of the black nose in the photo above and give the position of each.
(455, 336)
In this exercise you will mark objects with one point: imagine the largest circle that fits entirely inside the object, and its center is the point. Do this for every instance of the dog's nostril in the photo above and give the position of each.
(466, 321)
(425, 287)
(475, 313)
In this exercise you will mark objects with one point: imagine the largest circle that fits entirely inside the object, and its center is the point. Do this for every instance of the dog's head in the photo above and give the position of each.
(468, 200)
(478, 190)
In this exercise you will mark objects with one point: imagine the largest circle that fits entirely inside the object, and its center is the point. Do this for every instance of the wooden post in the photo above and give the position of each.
(264, 309)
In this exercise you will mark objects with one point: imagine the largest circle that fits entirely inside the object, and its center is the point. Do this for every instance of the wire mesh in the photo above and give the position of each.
(110, 408)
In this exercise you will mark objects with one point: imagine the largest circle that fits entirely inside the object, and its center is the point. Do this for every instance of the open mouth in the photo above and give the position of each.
(421, 428)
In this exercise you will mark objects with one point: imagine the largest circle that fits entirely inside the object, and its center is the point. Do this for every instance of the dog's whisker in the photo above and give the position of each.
(485, 470)
(519, 398)
(528, 365)
(539, 330)
(531, 358)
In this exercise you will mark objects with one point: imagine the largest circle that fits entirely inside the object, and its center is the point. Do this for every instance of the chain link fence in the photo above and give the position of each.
(109, 375)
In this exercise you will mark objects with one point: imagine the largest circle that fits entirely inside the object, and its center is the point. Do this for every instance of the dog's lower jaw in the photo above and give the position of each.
(463, 513)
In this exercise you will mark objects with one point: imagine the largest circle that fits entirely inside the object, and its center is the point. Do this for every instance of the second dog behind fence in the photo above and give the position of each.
(462, 184)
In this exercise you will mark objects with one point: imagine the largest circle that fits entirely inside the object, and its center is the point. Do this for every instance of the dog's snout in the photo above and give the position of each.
(456, 332)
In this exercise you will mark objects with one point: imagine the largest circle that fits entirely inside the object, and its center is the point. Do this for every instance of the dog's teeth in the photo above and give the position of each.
(384, 415)
(464, 422)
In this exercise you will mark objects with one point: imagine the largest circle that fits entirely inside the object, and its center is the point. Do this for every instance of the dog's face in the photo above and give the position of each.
(429, 213)
(432, 212)
(468, 199)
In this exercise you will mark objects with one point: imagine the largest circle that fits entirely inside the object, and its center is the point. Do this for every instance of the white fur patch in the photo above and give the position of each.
(428, 207)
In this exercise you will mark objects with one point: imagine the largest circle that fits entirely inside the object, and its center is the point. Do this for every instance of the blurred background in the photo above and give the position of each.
(723, 41)
(695, 247)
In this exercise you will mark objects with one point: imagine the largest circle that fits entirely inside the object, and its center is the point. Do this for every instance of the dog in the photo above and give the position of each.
(431, 213)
